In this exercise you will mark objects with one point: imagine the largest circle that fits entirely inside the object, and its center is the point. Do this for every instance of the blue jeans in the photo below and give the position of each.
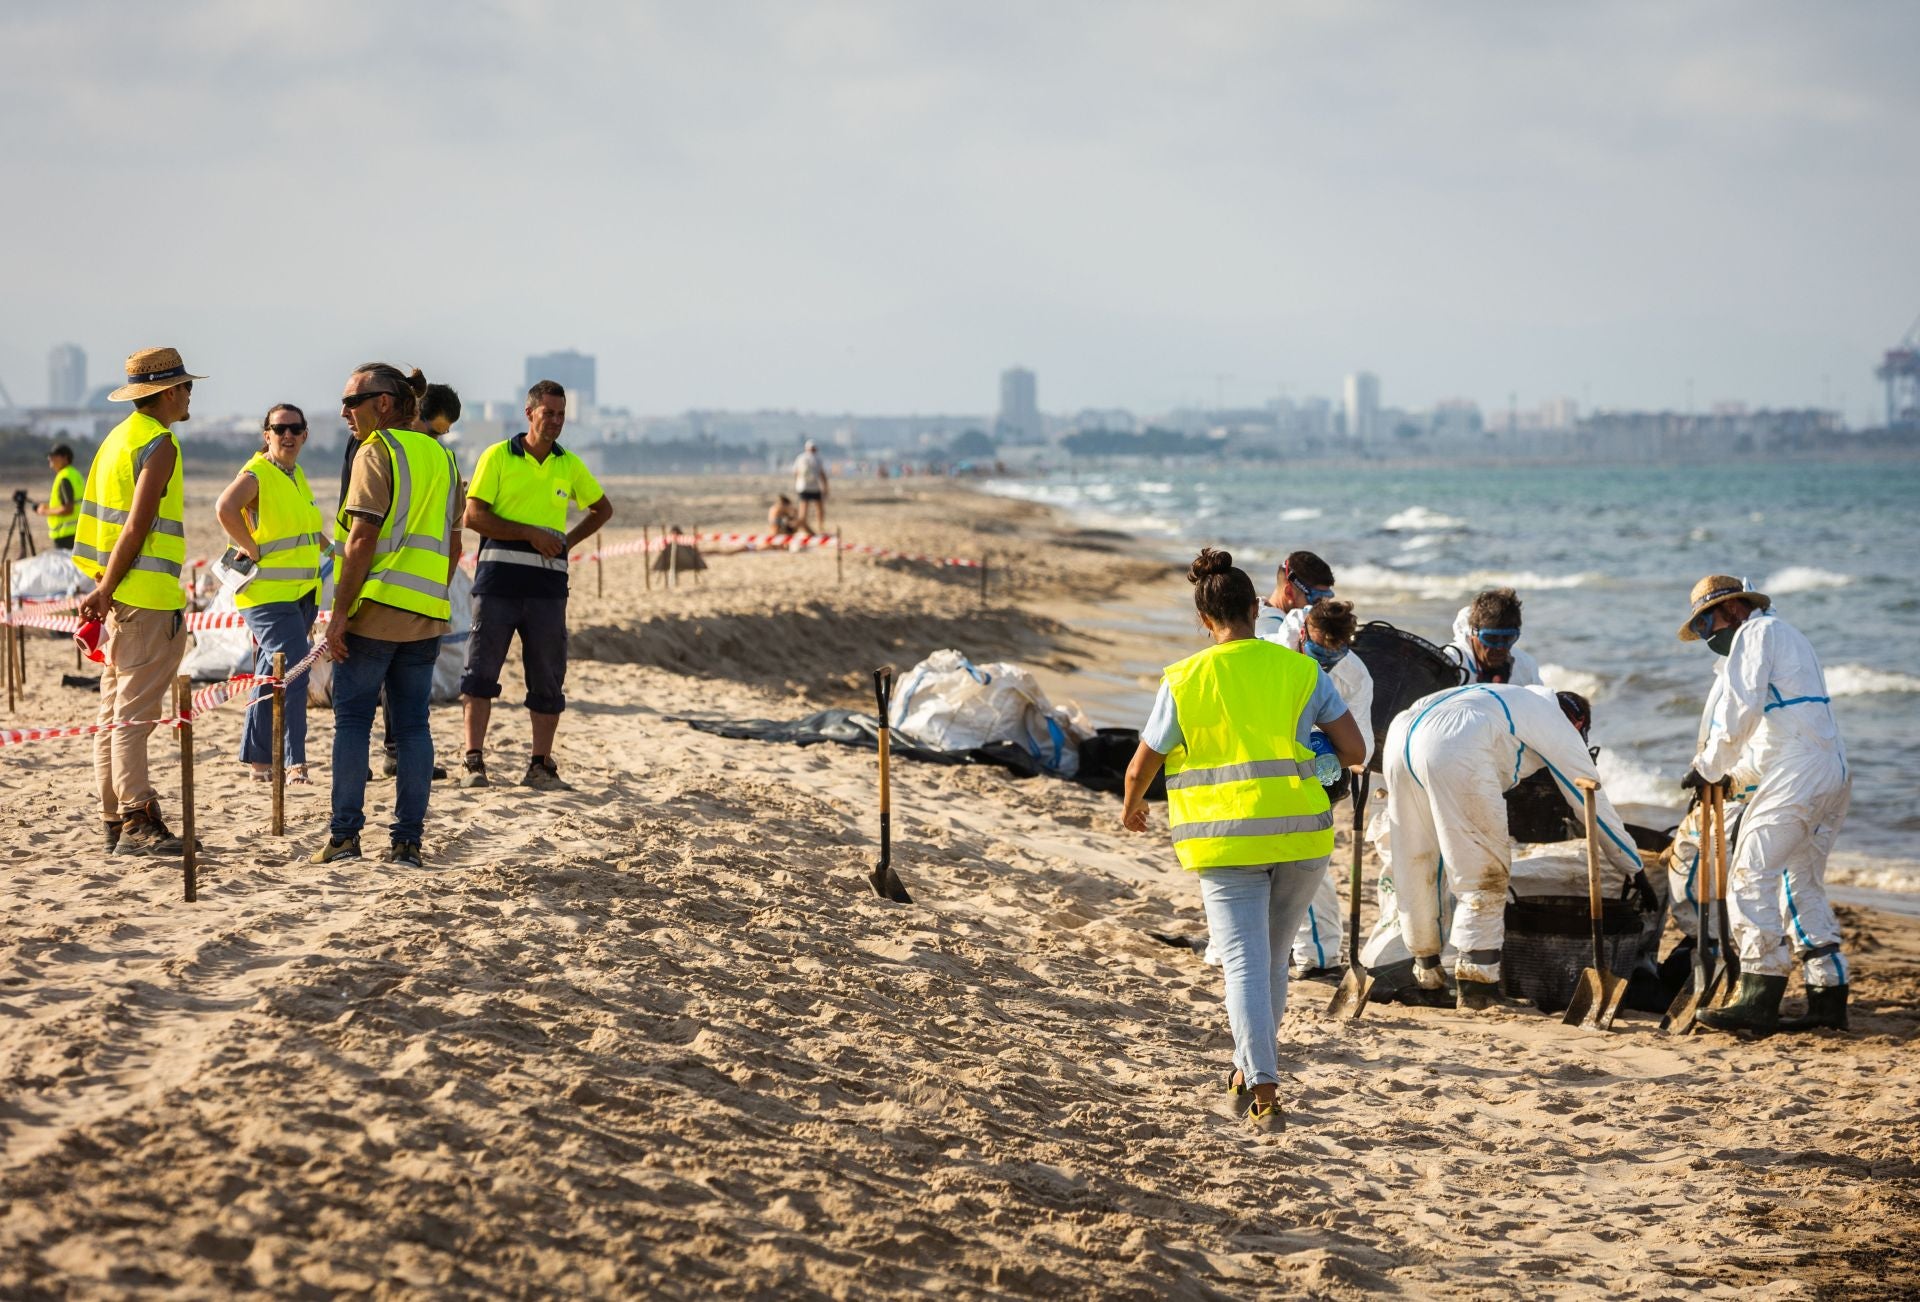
(1253, 914)
(405, 669)
(282, 626)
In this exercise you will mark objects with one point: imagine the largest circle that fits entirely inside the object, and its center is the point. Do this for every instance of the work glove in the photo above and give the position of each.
(1641, 892)
(1694, 782)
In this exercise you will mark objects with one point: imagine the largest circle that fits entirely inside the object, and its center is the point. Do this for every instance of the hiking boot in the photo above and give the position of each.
(1476, 995)
(404, 853)
(112, 828)
(1826, 1007)
(142, 832)
(338, 849)
(1755, 1010)
(543, 776)
(474, 772)
(1267, 1120)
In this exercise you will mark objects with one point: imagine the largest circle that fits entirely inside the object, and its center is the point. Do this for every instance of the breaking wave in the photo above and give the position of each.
(1859, 680)
(1562, 679)
(1628, 783)
(1803, 578)
(1420, 519)
(1379, 580)
(1295, 514)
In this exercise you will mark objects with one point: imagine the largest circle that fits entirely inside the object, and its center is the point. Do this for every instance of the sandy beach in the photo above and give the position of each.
(655, 1037)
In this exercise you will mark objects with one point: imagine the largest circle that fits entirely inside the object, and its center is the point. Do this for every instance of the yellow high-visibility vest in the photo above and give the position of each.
(105, 505)
(287, 527)
(1241, 789)
(413, 559)
(65, 524)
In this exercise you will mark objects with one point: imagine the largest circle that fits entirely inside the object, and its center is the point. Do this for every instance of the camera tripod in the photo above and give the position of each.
(21, 526)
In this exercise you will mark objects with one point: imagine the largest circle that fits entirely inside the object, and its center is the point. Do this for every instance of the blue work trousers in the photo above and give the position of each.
(405, 670)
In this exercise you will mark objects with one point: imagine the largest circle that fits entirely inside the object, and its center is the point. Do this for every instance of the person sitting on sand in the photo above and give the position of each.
(783, 518)
(1244, 807)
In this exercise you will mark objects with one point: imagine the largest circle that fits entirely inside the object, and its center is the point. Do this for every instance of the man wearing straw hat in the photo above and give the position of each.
(132, 543)
(1770, 705)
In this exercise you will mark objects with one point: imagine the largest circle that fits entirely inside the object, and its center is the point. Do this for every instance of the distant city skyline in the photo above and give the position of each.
(874, 207)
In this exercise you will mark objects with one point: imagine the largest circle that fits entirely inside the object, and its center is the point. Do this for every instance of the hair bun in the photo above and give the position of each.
(1209, 562)
(417, 382)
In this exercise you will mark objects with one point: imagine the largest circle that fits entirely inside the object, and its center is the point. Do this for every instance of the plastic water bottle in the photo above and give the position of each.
(1326, 765)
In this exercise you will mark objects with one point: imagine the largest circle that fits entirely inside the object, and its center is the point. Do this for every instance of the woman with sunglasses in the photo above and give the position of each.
(269, 513)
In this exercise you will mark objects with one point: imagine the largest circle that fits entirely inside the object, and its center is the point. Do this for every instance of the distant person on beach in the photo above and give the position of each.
(132, 542)
(269, 513)
(1484, 633)
(782, 518)
(1244, 806)
(62, 507)
(1326, 636)
(1449, 760)
(400, 536)
(518, 503)
(810, 482)
(1769, 710)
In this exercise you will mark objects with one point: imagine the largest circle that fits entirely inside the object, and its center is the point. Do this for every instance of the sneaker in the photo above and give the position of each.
(142, 832)
(1268, 1120)
(404, 853)
(392, 769)
(112, 827)
(475, 773)
(338, 850)
(1239, 1095)
(543, 776)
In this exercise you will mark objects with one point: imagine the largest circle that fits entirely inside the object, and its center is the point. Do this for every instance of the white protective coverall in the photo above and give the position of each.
(1772, 710)
(1525, 672)
(1450, 759)
(1318, 943)
(1686, 857)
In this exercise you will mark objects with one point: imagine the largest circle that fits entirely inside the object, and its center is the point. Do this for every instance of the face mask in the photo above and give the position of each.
(1722, 642)
(1327, 658)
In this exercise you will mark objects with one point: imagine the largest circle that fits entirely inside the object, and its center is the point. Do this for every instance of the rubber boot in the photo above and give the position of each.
(1476, 994)
(1755, 1010)
(1826, 1007)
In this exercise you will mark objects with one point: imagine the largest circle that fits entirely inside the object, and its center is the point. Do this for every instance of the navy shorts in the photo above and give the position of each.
(541, 623)
(811, 495)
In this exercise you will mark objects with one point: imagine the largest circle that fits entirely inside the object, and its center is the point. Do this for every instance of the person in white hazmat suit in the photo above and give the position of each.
(1325, 632)
(1449, 760)
(1772, 709)
(1484, 636)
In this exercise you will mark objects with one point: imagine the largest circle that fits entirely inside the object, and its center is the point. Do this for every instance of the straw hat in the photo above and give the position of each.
(1713, 590)
(150, 371)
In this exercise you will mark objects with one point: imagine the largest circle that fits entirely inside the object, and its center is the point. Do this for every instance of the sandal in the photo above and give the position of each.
(262, 773)
(297, 776)
(1268, 1120)
(1238, 1092)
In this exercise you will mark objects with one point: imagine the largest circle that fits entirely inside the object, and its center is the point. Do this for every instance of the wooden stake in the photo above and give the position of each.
(983, 577)
(183, 708)
(646, 555)
(673, 561)
(279, 744)
(599, 577)
(839, 562)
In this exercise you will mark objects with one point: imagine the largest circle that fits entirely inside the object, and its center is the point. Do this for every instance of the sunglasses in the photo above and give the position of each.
(288, 429)
(353, 400)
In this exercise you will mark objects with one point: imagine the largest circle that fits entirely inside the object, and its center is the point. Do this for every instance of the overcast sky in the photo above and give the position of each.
(876, 207)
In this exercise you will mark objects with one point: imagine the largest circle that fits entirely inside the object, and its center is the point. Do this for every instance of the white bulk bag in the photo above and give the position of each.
(48, 577)
(946, 702)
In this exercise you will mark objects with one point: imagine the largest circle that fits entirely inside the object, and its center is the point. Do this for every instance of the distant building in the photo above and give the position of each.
(1363, 408)
(1019, 419)
(572, 371)
(66, 376)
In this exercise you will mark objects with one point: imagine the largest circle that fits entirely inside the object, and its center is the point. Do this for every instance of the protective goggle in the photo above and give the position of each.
(1499, 639)
(1307, 590)
(1326, 657)
(1702, 624)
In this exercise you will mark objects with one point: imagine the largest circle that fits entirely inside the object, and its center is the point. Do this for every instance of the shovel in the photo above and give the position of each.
(1687, 1004)
(1350, 1000)
(885, 881)
(1726, 981)
(1597, 998)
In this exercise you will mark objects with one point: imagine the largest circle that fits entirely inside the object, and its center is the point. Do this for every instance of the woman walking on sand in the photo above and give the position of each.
(269, 513)
(1246, 811)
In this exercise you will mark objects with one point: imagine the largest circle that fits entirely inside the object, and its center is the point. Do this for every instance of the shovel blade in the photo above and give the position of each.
(887, 885)
(1350, 1000)
(1612, 990)
(1682, 1011)
(1588, 995)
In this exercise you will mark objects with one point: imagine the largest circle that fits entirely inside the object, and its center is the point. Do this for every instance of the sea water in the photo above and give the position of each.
(1603, 559)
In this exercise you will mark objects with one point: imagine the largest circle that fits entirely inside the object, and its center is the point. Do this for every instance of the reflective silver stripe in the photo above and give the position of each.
(173, 528)
(389, 545)
(107, 513)
(1279, 768)
(501, 556)
(414, 583)
(157, 565)
(1255, 826)
(87, 552)
(288, 544)
(395, 524)
(287, 573)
